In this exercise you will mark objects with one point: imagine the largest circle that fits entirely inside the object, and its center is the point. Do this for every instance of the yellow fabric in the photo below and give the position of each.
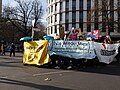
(36, 52)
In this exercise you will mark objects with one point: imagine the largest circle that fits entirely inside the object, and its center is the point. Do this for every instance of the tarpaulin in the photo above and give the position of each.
(36, 52)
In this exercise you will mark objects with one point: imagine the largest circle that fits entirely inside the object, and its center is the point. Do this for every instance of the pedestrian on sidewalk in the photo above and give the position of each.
(12, 49)
(3, 49)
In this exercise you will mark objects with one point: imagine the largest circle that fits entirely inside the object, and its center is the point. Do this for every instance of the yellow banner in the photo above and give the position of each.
(36, 52)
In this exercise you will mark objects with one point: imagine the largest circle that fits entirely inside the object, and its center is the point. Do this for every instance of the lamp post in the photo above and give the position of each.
(33, 22)
(34, 29)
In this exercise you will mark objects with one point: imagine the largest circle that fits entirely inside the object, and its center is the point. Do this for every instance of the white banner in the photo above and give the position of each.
(73, 49)
(106, 52)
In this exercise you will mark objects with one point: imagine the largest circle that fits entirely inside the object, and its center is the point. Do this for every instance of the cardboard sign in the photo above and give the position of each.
(61, 32)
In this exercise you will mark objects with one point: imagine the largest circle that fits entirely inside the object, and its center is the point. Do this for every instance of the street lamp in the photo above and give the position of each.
(34, 29)
(33, 22)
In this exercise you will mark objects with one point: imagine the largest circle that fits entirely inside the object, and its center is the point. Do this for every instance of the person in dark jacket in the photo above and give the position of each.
(12, 49)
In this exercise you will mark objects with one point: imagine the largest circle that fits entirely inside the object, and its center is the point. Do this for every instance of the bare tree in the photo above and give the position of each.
(37, 12)
(8, 31)
(104, 10)
(21, 15)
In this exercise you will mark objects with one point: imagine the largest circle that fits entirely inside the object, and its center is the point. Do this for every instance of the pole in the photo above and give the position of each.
(32, 34)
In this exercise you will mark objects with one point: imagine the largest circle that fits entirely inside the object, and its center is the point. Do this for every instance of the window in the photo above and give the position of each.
(118, 3)
(67, 4)
(73, 16)
(74, 25)
(81, 4)
(48, 30)
(61, 5)
(48, 20)
(74, 5)
(67, 16)
(88, 4)
(111, 21)
(66, 27)
(60, 16)
(89, 28)
(48, 1)
(55, 29)
(51, 19)
(81, 26)
(51, 8)
(55, 18)
(81, 16)
(51, 30)
(56, 7)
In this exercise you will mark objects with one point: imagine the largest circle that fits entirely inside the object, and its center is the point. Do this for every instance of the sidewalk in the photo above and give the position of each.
(17, 54)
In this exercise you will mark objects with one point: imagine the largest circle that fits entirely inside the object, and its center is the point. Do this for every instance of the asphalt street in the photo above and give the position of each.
(16, 76)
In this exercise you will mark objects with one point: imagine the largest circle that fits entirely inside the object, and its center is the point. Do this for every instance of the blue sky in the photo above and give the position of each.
(12, 3)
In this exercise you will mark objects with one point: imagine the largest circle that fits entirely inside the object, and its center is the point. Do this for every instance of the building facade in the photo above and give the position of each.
(85, 14)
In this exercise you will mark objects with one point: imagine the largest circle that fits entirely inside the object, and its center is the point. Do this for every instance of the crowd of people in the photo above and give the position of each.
(76, 34)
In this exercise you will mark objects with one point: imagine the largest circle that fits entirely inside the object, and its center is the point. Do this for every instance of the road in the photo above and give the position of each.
(16, 76)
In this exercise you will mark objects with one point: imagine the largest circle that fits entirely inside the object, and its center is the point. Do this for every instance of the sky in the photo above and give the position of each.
(12, 3)
(6, 2)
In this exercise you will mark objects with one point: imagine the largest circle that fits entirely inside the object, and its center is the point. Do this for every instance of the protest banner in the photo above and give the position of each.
(36, 52)
(73, 49)
(106, 52)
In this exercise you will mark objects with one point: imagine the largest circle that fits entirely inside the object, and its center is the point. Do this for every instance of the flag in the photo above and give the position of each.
(95, 32)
